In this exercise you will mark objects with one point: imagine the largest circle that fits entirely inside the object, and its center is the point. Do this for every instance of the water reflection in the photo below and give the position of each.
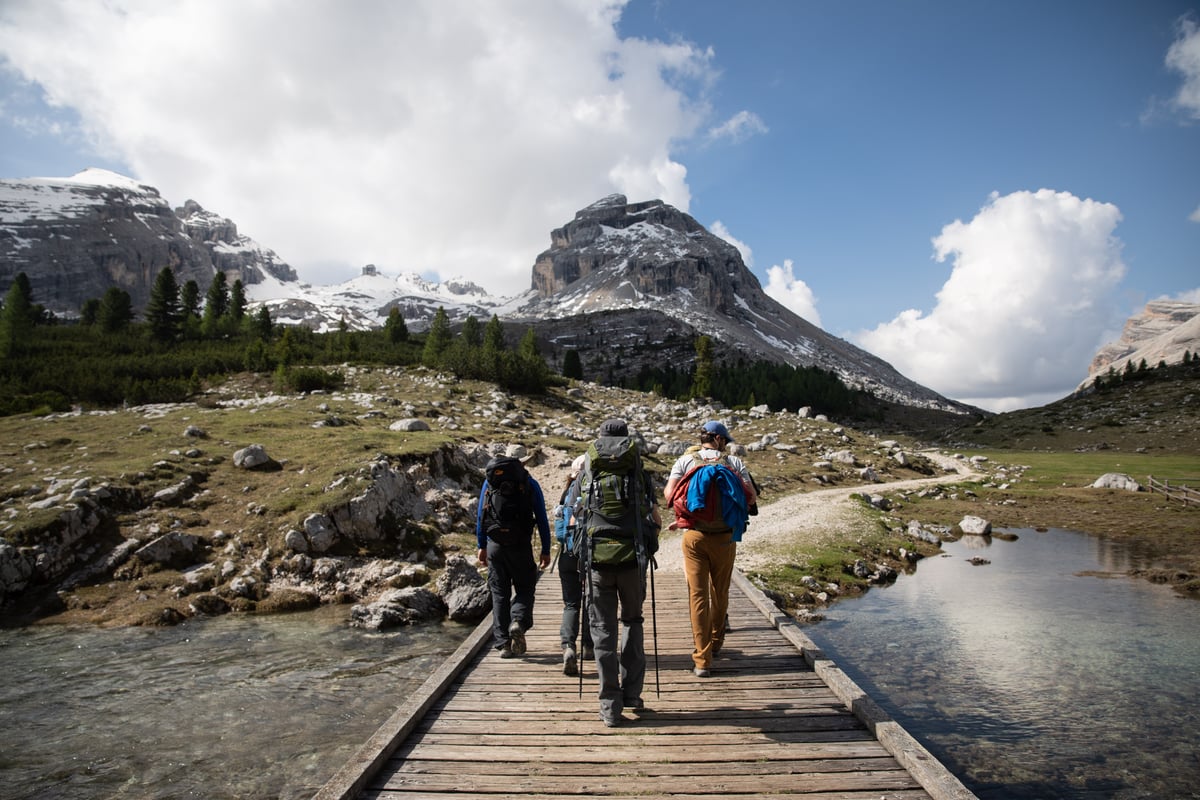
(1034, 676)
(234, 707)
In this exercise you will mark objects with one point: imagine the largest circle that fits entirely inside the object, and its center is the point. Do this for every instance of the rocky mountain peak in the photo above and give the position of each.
(649, 277)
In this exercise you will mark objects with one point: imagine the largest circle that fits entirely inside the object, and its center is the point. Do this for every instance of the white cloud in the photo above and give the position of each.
(1184, 57)
(1190, 296)
(718, 229)
(1195, 215)
(1029, 297)
(795, 294)
(739, 127)
(443, 136)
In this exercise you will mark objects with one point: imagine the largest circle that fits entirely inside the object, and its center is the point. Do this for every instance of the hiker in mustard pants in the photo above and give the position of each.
(710, 535)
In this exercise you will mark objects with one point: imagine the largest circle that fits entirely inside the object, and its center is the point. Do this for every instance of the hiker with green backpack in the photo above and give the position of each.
(618, 522)
(510, 505)
(711, 493)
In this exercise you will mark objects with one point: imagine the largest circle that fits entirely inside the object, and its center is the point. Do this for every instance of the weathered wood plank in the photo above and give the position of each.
(774, 719)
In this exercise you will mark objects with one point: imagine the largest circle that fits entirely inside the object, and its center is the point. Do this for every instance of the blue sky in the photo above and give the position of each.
(980, 193)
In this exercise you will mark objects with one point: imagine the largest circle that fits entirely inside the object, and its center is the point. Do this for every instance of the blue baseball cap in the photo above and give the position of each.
(716, 429)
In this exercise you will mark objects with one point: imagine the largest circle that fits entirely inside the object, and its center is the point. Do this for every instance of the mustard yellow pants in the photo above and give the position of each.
(708, 565)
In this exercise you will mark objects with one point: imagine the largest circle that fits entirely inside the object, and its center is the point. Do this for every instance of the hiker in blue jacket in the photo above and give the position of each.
(709, 549)
(506, 549)
(568, 572)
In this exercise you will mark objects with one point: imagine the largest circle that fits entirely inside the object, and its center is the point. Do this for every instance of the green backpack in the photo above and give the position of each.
(616, 499)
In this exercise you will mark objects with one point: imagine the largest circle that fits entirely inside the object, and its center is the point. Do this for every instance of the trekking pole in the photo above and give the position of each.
(585, 584)
(654, 625)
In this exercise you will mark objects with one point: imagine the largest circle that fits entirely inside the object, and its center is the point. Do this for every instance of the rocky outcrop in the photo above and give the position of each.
(238, 256)
(1163, 331)
(75, 238)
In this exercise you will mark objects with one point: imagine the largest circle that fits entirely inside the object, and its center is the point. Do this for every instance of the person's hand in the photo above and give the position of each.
(544, 561)
(482, 556)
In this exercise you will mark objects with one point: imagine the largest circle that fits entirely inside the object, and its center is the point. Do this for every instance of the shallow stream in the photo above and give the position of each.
(1046, 673)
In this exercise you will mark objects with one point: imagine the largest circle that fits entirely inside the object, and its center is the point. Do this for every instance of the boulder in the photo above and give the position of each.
(173, 549)
(975, 526)
(463, 590)
(399, 607)
(255, 457)
(1116, 480)
(409, 425)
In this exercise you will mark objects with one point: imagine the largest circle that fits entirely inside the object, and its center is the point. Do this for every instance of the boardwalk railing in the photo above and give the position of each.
(1175, 489)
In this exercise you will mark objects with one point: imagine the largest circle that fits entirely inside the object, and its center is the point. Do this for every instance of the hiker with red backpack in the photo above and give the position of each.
(510, 505)
(711, 493)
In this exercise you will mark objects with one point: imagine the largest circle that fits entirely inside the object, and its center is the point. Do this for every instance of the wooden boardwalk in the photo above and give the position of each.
(775, 719)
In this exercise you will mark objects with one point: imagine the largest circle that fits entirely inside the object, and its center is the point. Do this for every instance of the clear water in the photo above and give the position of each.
(1045, 674)
(232, 707)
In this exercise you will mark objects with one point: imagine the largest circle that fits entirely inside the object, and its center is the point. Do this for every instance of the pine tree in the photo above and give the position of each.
(116, 310)
(528, 348)
(16, 318)
(573, 367)
(437, 339)
(189, 299)
(262, 324)
(162, 312)
(89, 312)
(471, 335)
(237, 301)
(216, 304)
(395, 328)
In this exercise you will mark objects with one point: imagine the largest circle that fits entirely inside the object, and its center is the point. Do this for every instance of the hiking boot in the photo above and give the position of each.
(588, 653)
(702, 672)
(610, 720)
(636, 705)
(570, 665)
(516, 636)
(505, 652)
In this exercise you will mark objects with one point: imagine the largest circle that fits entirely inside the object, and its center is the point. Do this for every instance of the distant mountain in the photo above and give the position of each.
(76, 237)
(626, 285)
(366, 301)
(636, 281)
(1163, 331)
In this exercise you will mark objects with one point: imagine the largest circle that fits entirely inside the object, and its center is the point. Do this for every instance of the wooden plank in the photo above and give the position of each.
(768, 722)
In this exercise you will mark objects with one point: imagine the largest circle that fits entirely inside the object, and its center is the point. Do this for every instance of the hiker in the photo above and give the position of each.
(569, 573)
(619, 524)
(510, 504)
(710, 535)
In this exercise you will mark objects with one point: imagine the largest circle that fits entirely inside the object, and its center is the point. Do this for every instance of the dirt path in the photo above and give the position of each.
(808, 518)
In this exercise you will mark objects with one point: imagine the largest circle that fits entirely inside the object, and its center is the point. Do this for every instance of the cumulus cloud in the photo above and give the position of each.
(1184, 57)
(1029, 298)
(739, 127)
(784, 287)
(718, 229)
(445, 137)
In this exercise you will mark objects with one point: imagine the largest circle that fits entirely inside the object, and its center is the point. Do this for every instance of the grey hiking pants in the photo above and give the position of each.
(618, 640)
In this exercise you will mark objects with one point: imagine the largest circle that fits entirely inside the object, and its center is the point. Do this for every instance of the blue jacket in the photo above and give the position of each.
(539, 513)
(733, 496)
